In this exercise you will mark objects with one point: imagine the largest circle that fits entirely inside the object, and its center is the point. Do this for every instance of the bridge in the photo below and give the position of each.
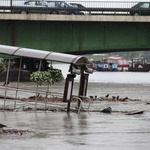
(76, 34)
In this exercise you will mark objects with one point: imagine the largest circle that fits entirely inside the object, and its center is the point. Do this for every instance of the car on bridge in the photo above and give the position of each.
(141, 8)
(62, 5)
(48, 7)
(25, 7)
(76, 5)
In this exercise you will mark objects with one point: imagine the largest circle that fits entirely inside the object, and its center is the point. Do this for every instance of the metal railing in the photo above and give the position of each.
(81, 100)
(93, 4)
(42, 98)
(89, 8)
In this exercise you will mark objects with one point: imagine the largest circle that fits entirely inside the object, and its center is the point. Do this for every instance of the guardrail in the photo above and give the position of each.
(89, 8)
(88, 3)
(86, 11)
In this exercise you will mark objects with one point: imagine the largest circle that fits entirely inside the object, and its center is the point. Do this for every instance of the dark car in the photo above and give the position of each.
(141, 8)
(51, 7)
(76, 5)
(61, 5)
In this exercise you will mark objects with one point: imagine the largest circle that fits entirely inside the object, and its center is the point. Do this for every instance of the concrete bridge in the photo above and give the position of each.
(76, 34)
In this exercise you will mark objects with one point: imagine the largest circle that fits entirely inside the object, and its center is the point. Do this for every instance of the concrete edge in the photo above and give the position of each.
(82, 18)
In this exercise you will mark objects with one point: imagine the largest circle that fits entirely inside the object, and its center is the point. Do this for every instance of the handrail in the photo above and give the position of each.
(80, 104)
(33, 91)
(89, 10)
(89, 102)
(79, 98)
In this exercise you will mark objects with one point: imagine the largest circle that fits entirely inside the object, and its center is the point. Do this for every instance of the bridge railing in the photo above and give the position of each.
(87, 7)
(91, 3)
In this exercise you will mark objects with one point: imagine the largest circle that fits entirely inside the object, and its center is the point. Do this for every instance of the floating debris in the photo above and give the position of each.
(113, 98)
(2, 126)
(107, 110)
(44, 109)
(16, 131)
(135, 112)
(6, 109)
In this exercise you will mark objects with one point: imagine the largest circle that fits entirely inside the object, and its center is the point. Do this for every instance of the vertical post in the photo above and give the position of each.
(7, 76)
(40, 65)
(11, 5)
(47, 92)
(68, 90)
(83, 84)
(18, 81)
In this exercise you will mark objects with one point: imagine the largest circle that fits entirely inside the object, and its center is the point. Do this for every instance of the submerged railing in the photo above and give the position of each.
(27, 95)
(34, 102)
(81, 100)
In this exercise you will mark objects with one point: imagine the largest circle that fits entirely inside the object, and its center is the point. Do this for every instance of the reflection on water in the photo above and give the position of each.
(87, 131)
(56, 130)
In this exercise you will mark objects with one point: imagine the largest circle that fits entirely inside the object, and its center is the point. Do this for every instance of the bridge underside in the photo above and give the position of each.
(76, 37)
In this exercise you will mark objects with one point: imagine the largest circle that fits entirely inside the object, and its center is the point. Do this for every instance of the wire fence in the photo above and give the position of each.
(97, 4)
(77, 7)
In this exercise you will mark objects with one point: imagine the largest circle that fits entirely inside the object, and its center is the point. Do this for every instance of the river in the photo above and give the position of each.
(88, 131)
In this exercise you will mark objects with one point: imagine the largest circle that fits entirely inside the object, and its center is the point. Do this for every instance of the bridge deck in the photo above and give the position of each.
(87, 18)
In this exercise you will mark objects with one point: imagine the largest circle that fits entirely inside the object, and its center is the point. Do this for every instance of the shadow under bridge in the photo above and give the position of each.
(78, 37)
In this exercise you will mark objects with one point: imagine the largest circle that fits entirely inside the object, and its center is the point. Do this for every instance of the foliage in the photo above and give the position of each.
(2, 67)
(56, 75)
(50, 76)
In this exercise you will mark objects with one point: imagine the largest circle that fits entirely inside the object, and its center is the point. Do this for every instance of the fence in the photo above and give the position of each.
(86, 7)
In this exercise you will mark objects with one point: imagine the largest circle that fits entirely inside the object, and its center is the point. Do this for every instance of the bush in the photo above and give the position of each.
(2, 67)
(50, 76)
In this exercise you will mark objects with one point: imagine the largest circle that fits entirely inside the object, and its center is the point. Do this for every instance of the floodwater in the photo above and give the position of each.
(88, 131)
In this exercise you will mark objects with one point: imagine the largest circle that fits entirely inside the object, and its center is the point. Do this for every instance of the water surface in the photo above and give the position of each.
(87, 131)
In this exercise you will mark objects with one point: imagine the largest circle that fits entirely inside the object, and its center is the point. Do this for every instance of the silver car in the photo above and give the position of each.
(32, 6)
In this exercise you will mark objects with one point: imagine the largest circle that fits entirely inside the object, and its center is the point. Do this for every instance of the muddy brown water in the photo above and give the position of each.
(86, 131)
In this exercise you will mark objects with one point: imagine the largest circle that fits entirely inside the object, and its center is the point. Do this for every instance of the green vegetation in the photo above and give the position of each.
(49, 77)
(2, 67)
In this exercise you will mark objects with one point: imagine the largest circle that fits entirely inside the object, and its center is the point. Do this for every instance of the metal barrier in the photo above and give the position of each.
(80, 7)
(16, 103)
(25, 100)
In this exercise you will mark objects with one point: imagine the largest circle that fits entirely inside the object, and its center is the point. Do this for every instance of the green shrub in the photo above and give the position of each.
(2, 67)
(49, 77)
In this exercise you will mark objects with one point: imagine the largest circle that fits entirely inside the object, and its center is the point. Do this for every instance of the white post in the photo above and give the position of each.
(6, 85)
(37, 88)
(18, 81)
